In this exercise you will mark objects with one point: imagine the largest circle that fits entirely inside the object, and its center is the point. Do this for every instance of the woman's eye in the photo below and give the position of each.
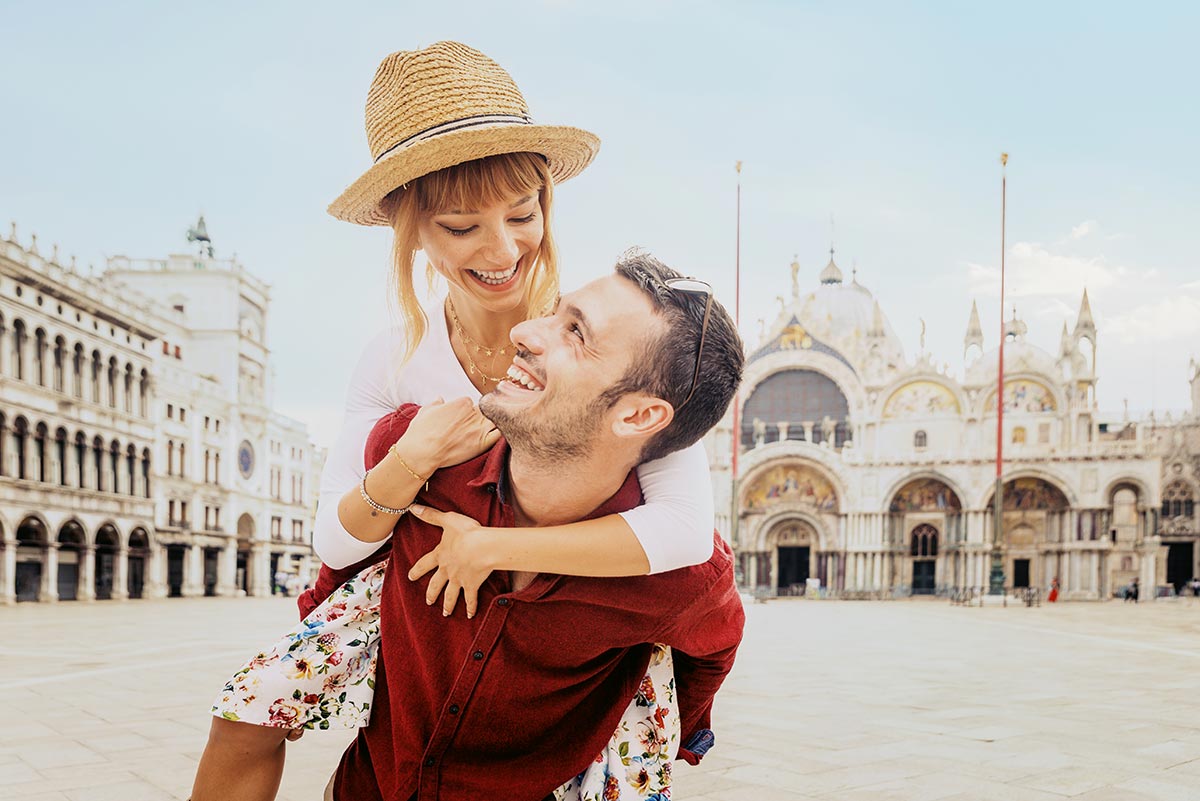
(526, 219)
(458, 231)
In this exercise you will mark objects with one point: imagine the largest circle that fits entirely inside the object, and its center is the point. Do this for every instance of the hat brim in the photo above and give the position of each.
(568, 150)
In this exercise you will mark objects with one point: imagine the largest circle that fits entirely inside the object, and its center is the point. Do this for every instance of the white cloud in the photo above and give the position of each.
(1035, 271)
(1084, 228)
(1170, 318)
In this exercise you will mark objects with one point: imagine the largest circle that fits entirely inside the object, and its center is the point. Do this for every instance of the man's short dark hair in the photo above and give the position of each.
(666, 369)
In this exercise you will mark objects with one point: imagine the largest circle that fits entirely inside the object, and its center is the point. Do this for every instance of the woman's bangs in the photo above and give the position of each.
(484, 182)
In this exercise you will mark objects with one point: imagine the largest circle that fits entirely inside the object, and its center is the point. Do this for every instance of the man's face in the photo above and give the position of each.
(550, 406)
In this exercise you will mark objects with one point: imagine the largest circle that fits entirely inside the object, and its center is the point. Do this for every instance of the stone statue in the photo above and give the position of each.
(829, 431)
(760, 432)
(795, 276)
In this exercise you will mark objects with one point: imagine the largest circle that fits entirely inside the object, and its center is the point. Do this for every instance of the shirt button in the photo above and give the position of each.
(478, 655)
(491, 489)
(454, 709)
(429, 762)
(502, 602)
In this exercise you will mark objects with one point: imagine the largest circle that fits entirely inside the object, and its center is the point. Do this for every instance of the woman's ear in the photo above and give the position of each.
(641, 416)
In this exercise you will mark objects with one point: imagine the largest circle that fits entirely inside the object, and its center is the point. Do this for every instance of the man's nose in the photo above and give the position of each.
(529, 335)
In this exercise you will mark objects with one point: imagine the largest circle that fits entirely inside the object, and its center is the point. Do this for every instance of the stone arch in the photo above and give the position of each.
(1055, 481)
(20, 439)
(32, 557)
(792, 483)
(1026, 393)
(911, 397)
(891, 497)
(41, 436)
(136, 561)
(797, 403)
(1136, 484)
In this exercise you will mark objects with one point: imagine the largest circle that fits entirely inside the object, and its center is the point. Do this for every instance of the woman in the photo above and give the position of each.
(462, 174)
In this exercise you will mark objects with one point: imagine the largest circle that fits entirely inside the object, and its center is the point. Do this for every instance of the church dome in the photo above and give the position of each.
(1019, 357)
(848, 318)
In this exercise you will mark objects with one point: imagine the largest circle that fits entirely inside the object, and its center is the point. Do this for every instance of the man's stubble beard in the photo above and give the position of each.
(566, 436)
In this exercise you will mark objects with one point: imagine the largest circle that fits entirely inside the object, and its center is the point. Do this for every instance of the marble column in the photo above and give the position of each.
(193, 572)
(259, 566)
(156, 572)
(120, 589)
(227, 570)
(86, 591)
(8, 572)
(48, 592)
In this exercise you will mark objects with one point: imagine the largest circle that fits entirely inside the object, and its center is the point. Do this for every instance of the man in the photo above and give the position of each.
(517, 700)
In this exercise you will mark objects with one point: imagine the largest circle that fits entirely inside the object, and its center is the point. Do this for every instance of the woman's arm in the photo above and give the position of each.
(673, 529)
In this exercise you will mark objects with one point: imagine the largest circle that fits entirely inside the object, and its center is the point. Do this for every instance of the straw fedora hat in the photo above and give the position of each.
(444, 105)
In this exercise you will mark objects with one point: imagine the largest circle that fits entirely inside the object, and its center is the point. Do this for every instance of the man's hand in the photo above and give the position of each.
(460, 560)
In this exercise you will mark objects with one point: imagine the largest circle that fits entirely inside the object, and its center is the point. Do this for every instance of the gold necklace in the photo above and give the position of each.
(472, 367)
(458, 326)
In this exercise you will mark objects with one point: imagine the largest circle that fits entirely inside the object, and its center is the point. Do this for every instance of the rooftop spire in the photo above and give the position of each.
(1085, 325)
(832, 274)
(974, 330)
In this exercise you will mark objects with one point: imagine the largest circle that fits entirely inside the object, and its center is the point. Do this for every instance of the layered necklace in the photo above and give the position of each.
(469, 344)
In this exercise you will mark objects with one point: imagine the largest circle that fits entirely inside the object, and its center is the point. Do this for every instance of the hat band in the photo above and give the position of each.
(454, 125)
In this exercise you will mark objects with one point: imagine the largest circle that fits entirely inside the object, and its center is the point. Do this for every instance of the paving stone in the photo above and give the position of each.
(846, 701)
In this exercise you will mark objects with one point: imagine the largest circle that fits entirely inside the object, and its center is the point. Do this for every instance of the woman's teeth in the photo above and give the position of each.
(495, 278)
(519, 376)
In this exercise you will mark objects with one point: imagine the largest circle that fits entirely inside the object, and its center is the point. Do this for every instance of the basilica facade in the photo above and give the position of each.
(140, 455)
(873, 472)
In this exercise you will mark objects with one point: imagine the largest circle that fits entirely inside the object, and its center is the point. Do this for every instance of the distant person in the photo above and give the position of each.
(1195, 587)
(1053, 596)
(1131, 591)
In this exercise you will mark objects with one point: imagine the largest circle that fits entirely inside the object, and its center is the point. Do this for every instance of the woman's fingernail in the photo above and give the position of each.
(445, 613)
(416, 509)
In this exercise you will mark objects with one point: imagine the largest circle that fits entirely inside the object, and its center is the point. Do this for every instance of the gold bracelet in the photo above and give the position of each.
(392, 450)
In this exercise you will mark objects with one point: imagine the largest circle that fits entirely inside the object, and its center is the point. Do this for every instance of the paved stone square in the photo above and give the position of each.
(829, 700)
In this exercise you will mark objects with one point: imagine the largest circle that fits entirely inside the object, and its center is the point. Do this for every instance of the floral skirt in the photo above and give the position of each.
(321, 675)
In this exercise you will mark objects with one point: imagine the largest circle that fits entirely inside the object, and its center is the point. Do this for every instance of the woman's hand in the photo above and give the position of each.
(446, 433)
(460, 559)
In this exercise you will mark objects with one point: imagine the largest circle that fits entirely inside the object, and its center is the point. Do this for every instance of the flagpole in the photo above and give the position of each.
(736, 437)
(996, 580)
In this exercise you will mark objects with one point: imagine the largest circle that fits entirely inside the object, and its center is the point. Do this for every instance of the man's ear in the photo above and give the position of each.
(641, 416)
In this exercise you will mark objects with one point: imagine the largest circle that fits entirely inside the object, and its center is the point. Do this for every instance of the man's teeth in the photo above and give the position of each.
(519, 376)
(495, 278)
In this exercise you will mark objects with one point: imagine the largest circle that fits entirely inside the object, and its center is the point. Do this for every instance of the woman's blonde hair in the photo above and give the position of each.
(470, 185)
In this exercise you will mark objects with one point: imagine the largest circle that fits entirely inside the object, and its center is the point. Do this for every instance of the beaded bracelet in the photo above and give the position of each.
(378, 507)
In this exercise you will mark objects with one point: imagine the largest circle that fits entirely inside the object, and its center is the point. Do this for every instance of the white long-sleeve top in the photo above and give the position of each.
(674, 526)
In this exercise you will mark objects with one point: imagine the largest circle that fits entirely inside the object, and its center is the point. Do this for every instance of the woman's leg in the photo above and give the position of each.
(241, 762)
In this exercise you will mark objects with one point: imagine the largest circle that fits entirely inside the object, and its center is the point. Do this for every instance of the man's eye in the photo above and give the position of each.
(575, 330)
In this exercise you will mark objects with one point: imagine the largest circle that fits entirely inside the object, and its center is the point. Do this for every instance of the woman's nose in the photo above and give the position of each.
(501, 249)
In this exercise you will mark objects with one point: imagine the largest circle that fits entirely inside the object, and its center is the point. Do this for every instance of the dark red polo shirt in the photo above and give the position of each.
(517, 701)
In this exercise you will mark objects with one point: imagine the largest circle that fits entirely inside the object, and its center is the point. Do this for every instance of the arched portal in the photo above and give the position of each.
(794, 542)
(923, 548)
(71, 542)
(1035, 524)
(245, 536)
(139, 556)
(32, 550)
(107, 543)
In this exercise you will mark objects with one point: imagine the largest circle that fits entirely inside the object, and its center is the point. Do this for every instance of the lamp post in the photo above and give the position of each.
(996, 579)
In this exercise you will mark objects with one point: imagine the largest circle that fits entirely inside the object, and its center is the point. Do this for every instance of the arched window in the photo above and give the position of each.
(131, 468)
(60, 450)
(1178, 501)
(182, 460)
(920, 439)
(97, 369)
(60, 355)
(217, 467)
(146, 472)
(77, 370)
(3, 442)
(20, 443)
(207, 465)
(810, 404)
(114, 453)
(143, 393)
(98, 461)
(19, 337)
(924, 541)
(39, 452)
(129, 388)
(81, 460)
(113, 370)
(39, 357)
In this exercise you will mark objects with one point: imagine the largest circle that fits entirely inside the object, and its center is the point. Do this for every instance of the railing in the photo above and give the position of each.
(973, 596)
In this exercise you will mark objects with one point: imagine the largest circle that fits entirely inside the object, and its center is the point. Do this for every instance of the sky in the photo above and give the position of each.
(872, 127)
